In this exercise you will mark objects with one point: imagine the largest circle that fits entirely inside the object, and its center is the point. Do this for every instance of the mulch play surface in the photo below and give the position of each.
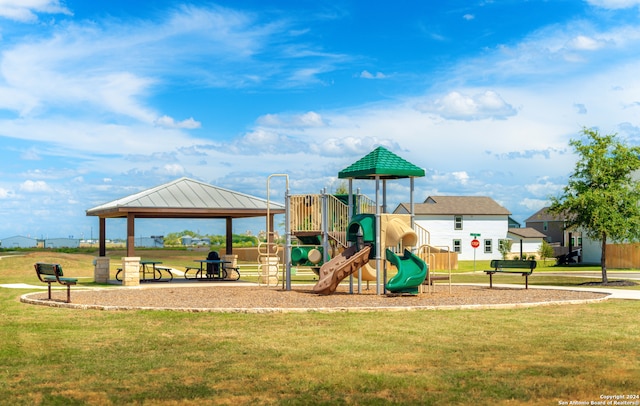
(301, 298)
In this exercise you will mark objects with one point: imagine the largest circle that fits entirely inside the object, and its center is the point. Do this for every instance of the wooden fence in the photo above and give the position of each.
(623, 256)
(438, 259)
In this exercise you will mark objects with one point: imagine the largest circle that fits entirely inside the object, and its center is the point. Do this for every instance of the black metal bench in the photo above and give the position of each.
(511, 266)
(50, 273)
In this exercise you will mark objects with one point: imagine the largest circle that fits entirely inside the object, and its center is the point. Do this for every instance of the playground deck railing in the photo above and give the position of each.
(337, 220)
(424, 236)
(307, 211)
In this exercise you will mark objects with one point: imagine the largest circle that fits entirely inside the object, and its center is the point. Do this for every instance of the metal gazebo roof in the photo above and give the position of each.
(182, 198)
(186, 198)
(383, 164)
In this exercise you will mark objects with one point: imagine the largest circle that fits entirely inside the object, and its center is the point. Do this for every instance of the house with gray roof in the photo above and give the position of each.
(525, 242)
(553, 226)
(454, 221)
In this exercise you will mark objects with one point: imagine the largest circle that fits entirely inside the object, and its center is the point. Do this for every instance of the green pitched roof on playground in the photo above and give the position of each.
(381, 163)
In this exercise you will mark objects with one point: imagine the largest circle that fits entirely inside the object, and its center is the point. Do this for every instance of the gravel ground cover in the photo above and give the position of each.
(301, 298)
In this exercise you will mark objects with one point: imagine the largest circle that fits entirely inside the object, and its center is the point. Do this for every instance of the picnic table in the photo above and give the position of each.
(152, 268)
(204, 272)
(149, 266)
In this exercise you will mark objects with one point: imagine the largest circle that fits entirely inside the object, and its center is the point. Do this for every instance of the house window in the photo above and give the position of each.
(545, 226)
(457, 246)
(488, 247)
(457, 220)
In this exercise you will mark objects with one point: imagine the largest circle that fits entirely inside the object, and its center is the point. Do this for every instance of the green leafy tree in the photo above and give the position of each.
(504, 247)
(601, 197)
(342, 188)
(545, 251)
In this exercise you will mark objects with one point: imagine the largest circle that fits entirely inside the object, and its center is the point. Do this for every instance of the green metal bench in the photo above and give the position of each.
(50, 273)
(511, 266)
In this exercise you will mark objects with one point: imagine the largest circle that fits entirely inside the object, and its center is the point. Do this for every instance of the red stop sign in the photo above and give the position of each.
(475, 243)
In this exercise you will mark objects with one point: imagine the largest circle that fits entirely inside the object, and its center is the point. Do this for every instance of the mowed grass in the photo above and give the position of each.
(539, 355)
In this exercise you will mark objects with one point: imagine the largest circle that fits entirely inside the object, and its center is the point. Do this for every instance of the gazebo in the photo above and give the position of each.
(181, 198)
(381, 165)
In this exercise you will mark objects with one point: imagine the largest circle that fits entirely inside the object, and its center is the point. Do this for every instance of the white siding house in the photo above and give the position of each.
(526, 242)
(591, 250)
(451, 221)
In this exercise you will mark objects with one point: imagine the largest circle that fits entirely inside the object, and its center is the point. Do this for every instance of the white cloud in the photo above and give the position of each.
(173, 169)
(55, 72)
(543, 187)
(368, 75)
(30, 155)
(111, 66)
(468, 17)
(459, 106)
(31, 186)
(169, 122)
(26, 10)
(346, 146)
(261, 140)
(614, 4)
(533, 205)
(462, 177)
(580, 108)
(553, 51)
(585, 43)
(308, 119)
(4, 193)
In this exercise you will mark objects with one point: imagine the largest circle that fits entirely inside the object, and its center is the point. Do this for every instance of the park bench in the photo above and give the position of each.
(50, 273)
(511, 266)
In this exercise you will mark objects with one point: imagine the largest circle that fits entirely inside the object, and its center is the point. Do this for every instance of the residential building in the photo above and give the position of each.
(455, 221)
(553, 226)
(526, 242)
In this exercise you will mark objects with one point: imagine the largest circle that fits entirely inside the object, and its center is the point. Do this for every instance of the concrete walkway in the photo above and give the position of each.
(631, 275)
(615, 293)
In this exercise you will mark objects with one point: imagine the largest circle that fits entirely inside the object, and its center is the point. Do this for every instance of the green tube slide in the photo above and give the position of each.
(412, 271)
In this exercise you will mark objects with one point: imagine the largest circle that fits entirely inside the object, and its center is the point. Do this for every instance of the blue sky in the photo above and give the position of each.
(99, 100)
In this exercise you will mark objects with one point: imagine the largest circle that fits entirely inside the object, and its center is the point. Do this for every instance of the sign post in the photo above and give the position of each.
(475, 243)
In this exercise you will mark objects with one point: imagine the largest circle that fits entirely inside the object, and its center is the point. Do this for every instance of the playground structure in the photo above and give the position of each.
(346, 235)
(396, 234)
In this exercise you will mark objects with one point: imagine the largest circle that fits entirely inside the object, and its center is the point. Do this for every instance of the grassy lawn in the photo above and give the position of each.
(542, 355)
